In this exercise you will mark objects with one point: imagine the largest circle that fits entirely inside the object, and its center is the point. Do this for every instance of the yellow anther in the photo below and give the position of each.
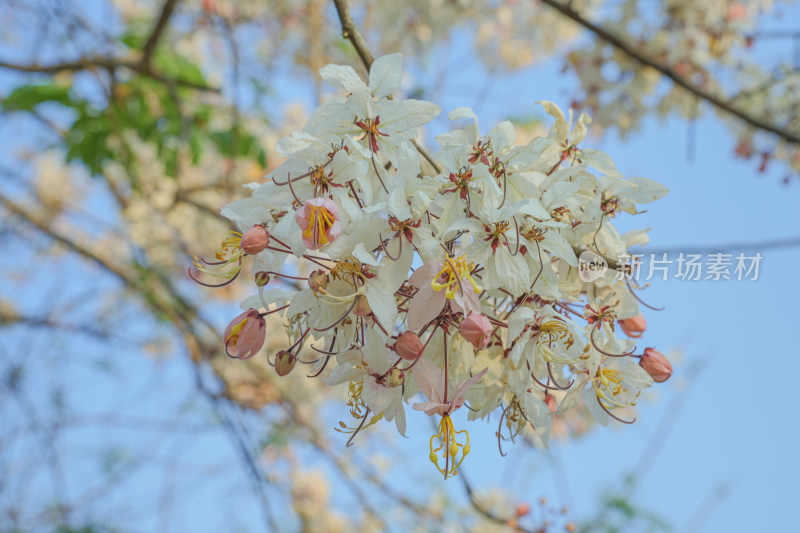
(320, 221)
(229, 258)
(607, 384)
(449, 447)
(550, 332)
(349, 270)
(451, 274)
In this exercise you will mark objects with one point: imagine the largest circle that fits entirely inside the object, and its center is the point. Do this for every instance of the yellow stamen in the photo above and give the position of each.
(320, 221)
(230, 256)
(357, 409)
(449, 446)
(551, 332)
(356, 278)
(607, 384)
(455, 270)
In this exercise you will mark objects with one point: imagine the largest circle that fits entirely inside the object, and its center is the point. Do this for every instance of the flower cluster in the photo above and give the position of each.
(461, 283)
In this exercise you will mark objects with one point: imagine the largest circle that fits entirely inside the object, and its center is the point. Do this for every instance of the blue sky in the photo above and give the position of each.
(731, 396)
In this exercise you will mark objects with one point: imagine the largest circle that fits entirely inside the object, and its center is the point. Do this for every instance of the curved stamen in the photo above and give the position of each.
(328, 358)
(612, 415)
(541, 265)
(361, 425)
(533, 375)
(293, 193)
(633, 293)
(224, 283)
(516, 228)
(505, 190)
(341, 318)
(591, 338)
(594, 238)
(499, 432)
(307, 174)
(211, 263)
(378, 174)
(385, 251)
(553, 379)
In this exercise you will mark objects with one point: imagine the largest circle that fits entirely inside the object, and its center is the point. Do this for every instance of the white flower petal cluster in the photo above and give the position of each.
(462, 286)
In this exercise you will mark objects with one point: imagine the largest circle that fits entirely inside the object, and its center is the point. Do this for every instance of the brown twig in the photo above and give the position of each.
(351, 32)
(637, 55)
(110, 64)
(158, 30)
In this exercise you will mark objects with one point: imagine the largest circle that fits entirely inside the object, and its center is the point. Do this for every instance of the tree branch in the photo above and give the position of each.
(93, 63)
(473, 500)
(709, 97)
(351, 33)
(158, 31)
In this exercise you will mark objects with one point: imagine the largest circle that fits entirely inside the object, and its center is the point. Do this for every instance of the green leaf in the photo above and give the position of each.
(27, 97)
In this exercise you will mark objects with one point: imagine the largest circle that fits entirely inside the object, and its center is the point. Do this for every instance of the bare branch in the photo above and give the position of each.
(351, 33)
(110, 64)
(158, 31)
(709, 97)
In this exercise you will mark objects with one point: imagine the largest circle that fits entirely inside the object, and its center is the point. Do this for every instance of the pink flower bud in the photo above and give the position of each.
(408, 346)
(320, 222)
(245, 335)
(262, 278)
(477, 329)
(656, 364)
(362, 307)
(317, 280)
(634, 326)
(255, 240)
(284, 362)
(395, 377)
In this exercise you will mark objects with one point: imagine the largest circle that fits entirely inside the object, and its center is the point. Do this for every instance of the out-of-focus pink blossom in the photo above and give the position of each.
(744, 148)
(736, 11)
(245, 335)
(656, 364)
(255, 240)
(477, 329)
(634, 326)
(319, 219)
